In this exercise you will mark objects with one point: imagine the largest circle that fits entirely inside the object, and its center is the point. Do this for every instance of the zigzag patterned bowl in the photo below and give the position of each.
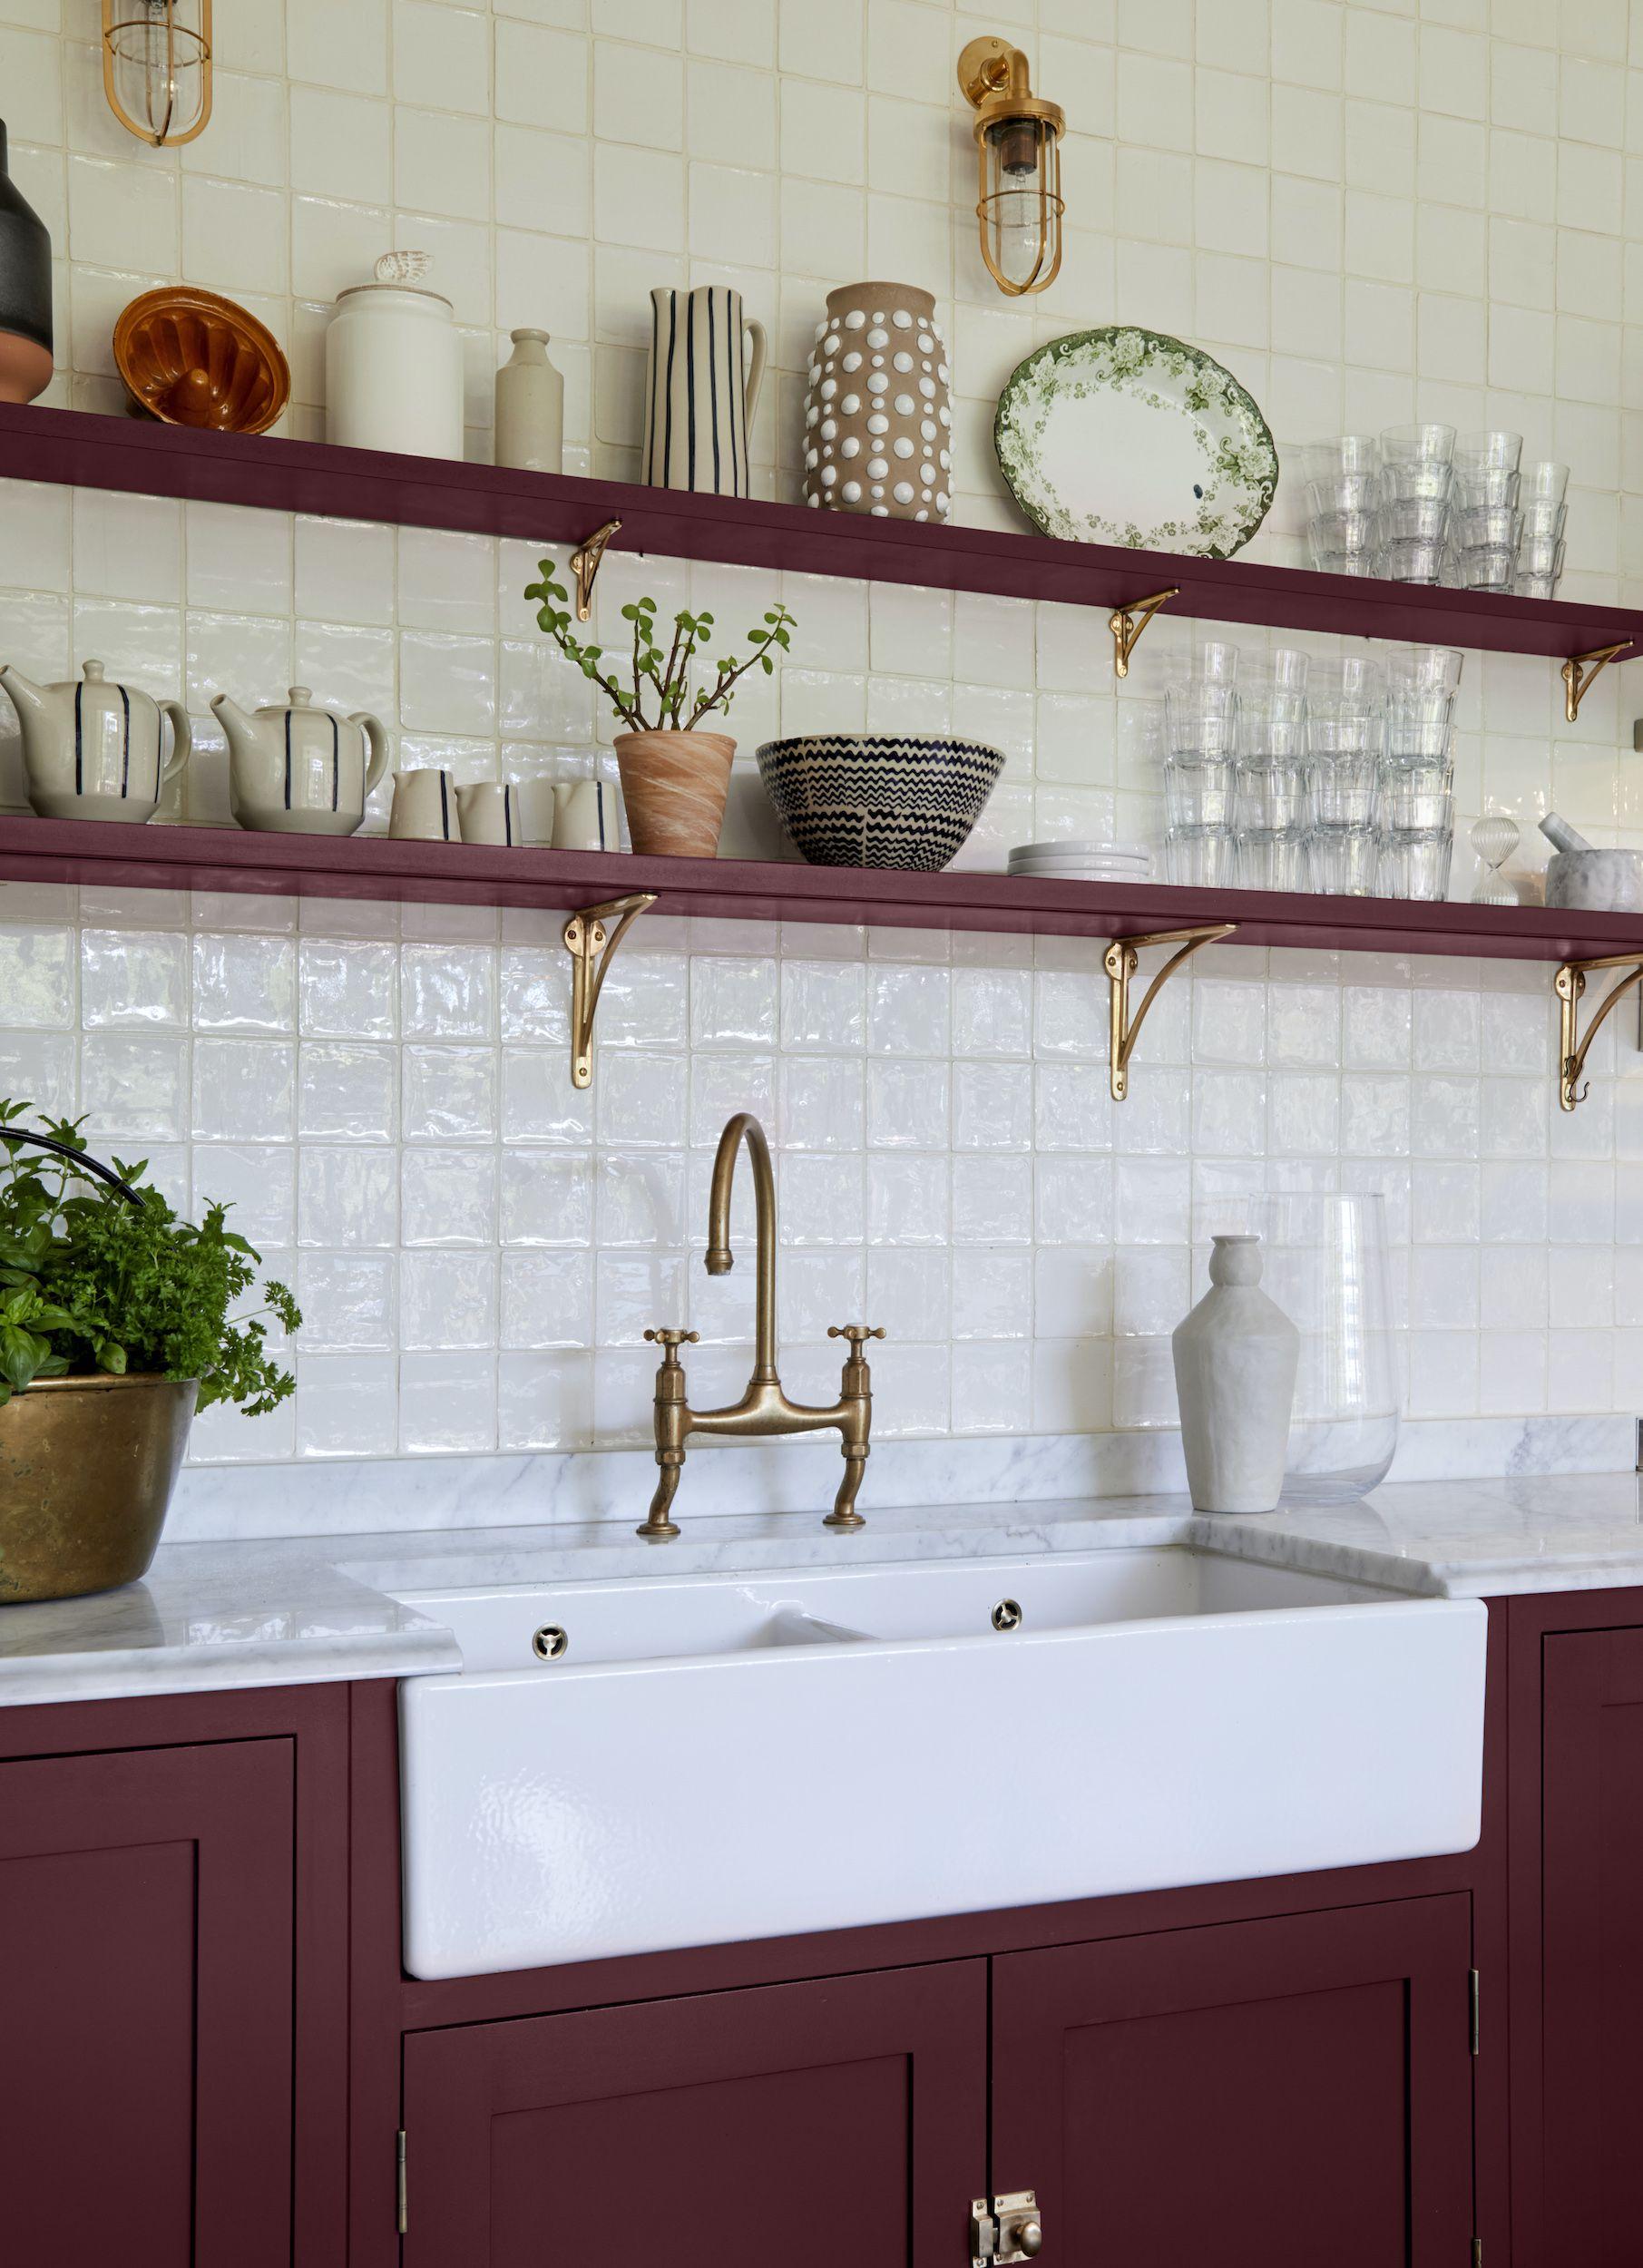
(879, 799)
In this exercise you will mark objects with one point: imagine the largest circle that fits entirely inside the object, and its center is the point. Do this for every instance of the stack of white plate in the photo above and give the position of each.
(1082, 862)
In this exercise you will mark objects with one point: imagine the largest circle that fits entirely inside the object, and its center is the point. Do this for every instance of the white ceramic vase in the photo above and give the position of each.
(1236, 1357)
(530, 408)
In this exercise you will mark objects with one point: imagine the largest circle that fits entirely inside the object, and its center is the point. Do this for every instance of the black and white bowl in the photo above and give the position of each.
(879, 799)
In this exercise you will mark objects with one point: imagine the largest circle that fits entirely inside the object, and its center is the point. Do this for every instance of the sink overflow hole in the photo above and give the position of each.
(550, 1642)
(1007, 1615)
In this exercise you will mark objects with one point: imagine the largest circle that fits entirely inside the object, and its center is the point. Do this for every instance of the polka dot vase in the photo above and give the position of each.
(879, 417)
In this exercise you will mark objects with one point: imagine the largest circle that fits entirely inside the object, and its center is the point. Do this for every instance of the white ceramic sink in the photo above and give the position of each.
(719, 1757)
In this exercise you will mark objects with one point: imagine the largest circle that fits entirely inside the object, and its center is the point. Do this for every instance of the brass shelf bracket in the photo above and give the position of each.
(1128, 622)
(584, 565)
(1121, 960)
(1580, 669)
(591, 947)
(1570, 981)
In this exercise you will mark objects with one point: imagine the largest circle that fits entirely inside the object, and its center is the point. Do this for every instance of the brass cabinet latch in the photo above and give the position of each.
(1005, 2228)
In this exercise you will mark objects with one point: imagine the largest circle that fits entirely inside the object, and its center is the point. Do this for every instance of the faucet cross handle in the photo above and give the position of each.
(671, 1341)
(856, 1333)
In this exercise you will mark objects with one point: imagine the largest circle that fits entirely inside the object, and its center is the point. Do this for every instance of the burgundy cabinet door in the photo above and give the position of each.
(145, 2007)
(1591, 1998)
(788, 2126)
(1261, 2094)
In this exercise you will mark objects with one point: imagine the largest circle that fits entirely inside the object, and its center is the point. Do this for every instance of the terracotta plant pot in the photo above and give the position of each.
(87, 1467)
(674, 785)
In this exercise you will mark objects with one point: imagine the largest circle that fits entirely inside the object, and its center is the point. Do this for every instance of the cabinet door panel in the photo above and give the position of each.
(145, 2081)
(1592, 1922)
(800, 2123)
(1261, 2094)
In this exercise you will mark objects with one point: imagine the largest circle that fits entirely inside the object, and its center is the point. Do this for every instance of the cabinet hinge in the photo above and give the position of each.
(400, 2191)
(1473, 1996)
(1004, 2228)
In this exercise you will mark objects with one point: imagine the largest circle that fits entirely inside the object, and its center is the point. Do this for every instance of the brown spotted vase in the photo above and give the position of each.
(878, 416)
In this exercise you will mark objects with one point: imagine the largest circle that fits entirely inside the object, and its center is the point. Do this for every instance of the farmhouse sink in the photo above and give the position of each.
(667, 1761)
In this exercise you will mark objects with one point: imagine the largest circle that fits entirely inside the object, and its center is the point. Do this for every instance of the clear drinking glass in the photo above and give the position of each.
(1417, 463)
(1200, 717)
(1325, 1264)
(1546, 484)
(1414, 798)
(1201, 857)
(1424, 669)
(1342, 542)
(1485, 542)
(1415, 865)
(1409, 539)
(1344, 861)
(1347, 455)
(1199, 791)
(1420, 727)
(1486, 468)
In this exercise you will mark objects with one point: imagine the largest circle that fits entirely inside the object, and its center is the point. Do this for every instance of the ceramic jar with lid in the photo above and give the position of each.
(878, 412)
(393, 364)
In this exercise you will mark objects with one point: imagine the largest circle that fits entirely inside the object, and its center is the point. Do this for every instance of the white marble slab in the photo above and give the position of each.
(210, 1616)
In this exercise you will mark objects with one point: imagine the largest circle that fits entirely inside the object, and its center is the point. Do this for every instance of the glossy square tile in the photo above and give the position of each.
(448, 1196)
(347, 1090)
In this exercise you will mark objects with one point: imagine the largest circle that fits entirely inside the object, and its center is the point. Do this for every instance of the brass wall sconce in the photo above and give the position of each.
(157, 67)
(1018, 147)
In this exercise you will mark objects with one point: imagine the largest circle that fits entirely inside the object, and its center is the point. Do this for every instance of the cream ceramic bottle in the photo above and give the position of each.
(530, 408)
(1236, 1357)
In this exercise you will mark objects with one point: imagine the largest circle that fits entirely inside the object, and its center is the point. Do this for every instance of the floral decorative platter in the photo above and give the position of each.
(1122, 435)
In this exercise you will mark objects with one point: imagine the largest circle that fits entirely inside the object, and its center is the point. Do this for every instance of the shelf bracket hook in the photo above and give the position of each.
(584, 565)
(1570, 982)
(1121, 960)
(1128, 622)
(1580, 669)
(592, 947)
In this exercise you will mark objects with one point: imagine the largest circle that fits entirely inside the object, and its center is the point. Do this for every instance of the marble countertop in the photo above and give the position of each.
(210, 1616)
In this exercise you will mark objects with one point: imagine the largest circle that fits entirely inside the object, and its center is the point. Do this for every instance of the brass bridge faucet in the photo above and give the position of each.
(764, 1408)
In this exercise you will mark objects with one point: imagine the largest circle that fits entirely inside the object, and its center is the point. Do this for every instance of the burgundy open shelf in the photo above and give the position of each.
(81, 449)
(730, 889)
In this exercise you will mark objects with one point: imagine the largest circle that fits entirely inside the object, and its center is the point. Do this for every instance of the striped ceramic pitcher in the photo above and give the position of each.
(707, 361)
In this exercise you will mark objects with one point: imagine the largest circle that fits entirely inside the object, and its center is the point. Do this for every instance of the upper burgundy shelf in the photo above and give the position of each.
(730, 889)
(88, 451)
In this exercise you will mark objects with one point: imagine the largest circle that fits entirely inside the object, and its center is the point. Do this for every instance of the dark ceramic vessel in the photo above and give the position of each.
(26, 293)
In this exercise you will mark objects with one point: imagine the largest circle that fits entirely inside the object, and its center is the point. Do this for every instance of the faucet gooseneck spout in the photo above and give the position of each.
(764, 1409)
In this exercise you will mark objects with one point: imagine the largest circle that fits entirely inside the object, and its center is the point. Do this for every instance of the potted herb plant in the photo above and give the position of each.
(115, 1326)
(674, 776)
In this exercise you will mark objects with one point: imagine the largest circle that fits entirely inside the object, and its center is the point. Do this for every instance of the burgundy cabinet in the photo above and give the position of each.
(1591, 1986)
(145, 2007)
(1260, 2095)
(799, 2124)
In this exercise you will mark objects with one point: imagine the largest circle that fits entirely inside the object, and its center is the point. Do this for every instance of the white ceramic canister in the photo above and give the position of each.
(530, 408)
(393, 364)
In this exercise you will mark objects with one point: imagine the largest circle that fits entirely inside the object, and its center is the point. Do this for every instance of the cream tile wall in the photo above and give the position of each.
(1370, 212)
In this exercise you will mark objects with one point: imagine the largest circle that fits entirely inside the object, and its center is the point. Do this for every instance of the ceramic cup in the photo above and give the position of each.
(424, 807)
(489, 813)
(583, 817)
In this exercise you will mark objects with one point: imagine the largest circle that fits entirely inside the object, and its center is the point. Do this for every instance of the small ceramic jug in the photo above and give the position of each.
(424, 807)
(530, 408)
(298, 769)
(707, 364)
(489, 813)
(583, 818)
(92, 748)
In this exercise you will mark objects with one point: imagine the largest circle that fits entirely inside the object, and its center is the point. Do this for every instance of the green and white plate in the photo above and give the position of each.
(1122, 435)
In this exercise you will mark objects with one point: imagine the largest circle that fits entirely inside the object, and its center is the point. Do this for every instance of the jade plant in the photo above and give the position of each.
(660, 695)
(93, 1278)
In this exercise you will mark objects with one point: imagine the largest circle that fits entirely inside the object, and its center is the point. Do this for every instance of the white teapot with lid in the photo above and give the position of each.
(92, 749)
(301, 769)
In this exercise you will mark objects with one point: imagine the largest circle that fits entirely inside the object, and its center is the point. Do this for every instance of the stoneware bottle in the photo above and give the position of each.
(1236, 1356)
(530, 408)
(26, 293)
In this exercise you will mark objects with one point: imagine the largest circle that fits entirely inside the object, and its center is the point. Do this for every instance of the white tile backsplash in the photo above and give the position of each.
(1371, 213)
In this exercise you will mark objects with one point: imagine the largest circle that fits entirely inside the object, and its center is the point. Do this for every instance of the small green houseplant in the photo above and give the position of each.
(117, 1321)
(675, 774)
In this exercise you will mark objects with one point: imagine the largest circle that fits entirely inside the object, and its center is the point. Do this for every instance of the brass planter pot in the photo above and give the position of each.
(87, 1467)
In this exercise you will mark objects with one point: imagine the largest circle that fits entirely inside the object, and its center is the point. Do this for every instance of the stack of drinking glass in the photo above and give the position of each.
(1284, 775)
(1416, 505)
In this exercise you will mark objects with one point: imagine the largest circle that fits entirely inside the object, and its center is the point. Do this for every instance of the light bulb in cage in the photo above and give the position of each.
(157, 67)
(1018, 143)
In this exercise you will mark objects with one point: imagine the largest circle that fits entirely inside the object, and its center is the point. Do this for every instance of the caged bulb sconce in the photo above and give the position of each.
(1018, 145)
(157, 67)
